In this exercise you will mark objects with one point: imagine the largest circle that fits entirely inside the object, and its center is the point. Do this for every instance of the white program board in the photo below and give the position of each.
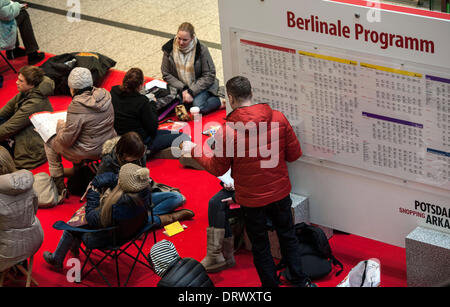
(369, 101)
(355, 110)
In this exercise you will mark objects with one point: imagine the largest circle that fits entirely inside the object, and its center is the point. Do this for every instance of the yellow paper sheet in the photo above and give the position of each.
(173, 229)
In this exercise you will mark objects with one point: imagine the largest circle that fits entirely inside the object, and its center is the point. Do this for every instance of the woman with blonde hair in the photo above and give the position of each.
(188, 68)
(21, 233)
(124, 203)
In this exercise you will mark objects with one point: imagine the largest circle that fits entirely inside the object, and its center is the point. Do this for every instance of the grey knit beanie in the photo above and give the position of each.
(80, 78)
(133, 178)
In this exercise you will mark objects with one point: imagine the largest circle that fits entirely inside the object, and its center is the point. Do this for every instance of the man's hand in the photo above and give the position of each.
(228, 200)
(228, 186)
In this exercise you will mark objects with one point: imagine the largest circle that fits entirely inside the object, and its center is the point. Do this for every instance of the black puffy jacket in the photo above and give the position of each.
(185, 272)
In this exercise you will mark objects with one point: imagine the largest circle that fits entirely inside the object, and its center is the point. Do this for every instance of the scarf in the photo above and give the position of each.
(184, 61)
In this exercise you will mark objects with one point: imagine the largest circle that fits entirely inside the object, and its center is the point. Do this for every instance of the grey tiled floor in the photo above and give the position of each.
(57, 34)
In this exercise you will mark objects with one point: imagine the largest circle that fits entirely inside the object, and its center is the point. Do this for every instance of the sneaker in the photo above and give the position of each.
(48, 257)
(35, 57)
(15, 53)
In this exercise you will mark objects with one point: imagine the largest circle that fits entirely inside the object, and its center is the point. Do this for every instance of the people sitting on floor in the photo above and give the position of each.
(133, 111)
(188, 68)
(125, 204)
(89, 123)
(176, 271)
(219, 234)
(17, 133)
(21, 234)
(129, 148)
(23, 22)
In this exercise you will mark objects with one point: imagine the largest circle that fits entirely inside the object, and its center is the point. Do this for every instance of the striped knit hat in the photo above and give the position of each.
(163, 254)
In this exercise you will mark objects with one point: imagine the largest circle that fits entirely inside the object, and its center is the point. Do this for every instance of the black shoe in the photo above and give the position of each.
(48, 257)
(15, 53)
(35, 57)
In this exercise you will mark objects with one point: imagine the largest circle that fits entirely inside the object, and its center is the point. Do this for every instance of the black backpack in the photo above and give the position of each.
(315, 252)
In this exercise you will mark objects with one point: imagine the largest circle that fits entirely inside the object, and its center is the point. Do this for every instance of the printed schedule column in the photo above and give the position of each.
(274, 75)
(329, 92)
(393, 120)
(437, 137)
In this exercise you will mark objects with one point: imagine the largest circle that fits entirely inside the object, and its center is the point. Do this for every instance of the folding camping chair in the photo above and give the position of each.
(114, 250)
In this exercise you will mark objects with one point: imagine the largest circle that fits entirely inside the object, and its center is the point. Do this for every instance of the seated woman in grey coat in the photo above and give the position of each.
(21, 233)
(188, 68)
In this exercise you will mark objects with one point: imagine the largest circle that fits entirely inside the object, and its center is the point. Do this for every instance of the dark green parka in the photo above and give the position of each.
(29, 146)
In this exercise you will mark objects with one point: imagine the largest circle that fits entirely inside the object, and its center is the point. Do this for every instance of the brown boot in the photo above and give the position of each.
(61, 187)
(180, 215)
(228, 251)
(214, 260)
(187, 161)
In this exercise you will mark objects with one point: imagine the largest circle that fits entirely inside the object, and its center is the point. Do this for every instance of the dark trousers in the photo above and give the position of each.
(165, 139)
(26, 32)
(219, 212)
(256, 224)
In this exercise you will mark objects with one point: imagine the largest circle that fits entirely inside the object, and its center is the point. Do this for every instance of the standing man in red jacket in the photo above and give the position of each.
(256, 142)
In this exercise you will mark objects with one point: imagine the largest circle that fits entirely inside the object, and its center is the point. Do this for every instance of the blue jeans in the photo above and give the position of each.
(165, 202)
(164, 139)
(280, 214)
(207, 102)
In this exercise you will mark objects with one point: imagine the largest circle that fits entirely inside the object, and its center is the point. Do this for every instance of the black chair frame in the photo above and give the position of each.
(115, 250)
(9, 64)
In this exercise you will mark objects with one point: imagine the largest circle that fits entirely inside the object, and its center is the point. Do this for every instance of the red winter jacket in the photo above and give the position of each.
(259, 171)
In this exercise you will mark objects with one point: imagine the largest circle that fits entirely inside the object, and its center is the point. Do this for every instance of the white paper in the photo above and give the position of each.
(45, 123)
(226, 178)
(157, 83)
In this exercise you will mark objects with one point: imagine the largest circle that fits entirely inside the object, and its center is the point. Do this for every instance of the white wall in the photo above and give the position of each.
(343, 197)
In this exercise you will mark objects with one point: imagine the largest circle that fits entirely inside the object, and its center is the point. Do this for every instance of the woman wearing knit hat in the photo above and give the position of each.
(89, 123)
(129, 147)
(125, 204)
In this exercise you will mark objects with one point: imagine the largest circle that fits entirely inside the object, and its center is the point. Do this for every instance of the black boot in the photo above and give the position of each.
(15, 53)
(35, 57)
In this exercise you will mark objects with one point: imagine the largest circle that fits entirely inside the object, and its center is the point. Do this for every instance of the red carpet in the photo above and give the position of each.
(198, 187)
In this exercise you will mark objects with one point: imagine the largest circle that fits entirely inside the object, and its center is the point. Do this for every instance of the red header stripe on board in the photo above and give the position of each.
(268, 46)
(397, 8)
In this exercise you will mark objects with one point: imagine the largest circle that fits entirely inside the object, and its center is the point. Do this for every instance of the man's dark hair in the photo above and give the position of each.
(32, 74)
(239, 88)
